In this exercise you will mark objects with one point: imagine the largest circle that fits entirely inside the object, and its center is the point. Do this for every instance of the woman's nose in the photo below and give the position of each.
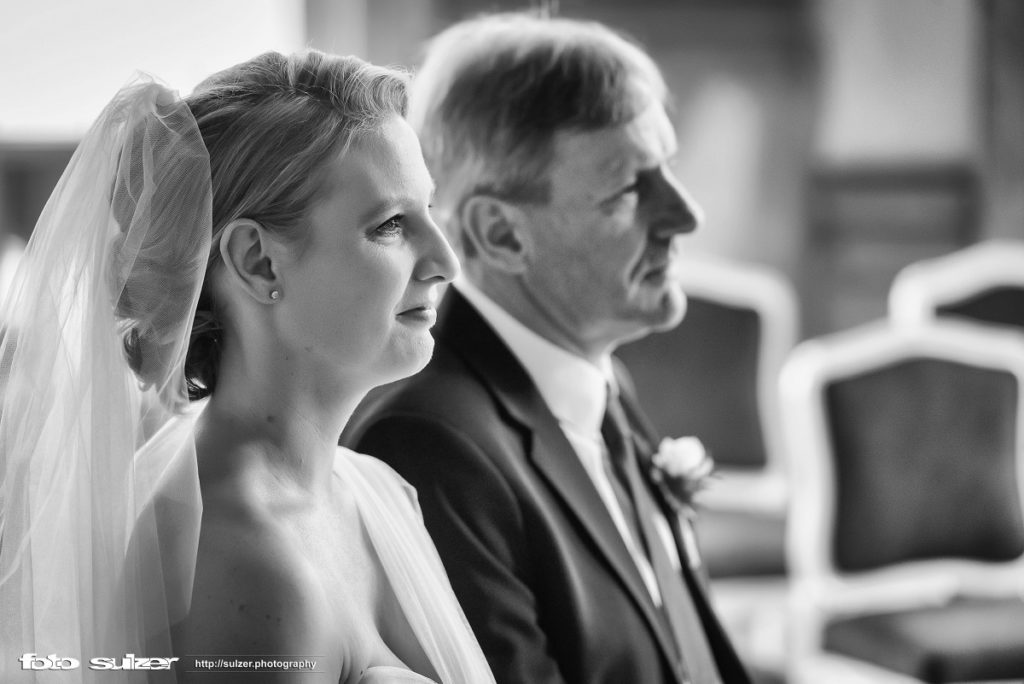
(437, 260)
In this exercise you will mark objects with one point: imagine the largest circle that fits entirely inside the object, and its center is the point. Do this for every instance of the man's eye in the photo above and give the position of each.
(628, 192)
(630, 189)
(623, 198)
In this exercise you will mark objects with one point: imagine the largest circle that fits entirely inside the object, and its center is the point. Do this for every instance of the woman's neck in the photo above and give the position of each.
(285, 413)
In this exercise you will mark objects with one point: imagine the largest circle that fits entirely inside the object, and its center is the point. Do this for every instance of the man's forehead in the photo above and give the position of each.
(647, 140)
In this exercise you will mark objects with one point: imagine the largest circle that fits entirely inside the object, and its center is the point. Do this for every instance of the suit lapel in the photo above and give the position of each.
(466, 332)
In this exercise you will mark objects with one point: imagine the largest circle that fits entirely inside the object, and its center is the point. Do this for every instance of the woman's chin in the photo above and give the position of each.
(413, 357)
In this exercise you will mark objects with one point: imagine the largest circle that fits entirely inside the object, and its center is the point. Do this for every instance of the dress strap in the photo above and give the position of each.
(389, 513)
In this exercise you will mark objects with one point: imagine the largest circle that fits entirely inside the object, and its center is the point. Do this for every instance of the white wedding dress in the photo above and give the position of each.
(100, 503)
(393, 523)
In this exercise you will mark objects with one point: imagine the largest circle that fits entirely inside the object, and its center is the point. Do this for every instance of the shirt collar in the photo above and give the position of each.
(572, 387)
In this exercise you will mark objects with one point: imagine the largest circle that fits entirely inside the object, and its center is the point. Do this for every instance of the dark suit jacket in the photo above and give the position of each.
(535, 559)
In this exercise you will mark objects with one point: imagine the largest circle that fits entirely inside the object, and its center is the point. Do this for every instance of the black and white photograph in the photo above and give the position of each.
(512, 342)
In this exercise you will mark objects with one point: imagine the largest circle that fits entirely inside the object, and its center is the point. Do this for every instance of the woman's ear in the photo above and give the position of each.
(246, 247)
(497, 231)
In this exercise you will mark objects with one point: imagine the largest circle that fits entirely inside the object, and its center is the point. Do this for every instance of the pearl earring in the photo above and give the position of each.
(275, 294)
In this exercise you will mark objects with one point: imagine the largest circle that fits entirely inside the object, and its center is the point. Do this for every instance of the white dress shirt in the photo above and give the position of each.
(575, 390)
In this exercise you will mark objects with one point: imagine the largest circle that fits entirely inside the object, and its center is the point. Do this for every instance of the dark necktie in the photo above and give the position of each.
(677, 604)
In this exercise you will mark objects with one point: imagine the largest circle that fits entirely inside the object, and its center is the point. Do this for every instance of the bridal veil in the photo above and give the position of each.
(112, 272)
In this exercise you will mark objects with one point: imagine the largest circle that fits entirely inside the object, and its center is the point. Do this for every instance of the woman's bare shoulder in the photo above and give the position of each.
(254, 595)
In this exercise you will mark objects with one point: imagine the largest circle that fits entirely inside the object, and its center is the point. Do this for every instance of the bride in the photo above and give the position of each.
(212, 288)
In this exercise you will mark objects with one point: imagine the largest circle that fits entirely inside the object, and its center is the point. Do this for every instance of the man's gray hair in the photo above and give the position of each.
(493, 91)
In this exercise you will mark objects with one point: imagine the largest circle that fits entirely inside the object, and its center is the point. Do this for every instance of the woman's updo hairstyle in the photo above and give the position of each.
(270, 125)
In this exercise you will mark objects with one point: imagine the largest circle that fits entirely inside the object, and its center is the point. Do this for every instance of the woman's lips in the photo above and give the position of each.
(424, 315)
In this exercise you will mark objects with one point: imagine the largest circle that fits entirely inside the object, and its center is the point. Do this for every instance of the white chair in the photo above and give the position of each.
(983, 283)
(906, 521)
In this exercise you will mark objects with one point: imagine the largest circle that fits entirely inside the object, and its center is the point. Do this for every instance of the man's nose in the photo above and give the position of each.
(673, 211)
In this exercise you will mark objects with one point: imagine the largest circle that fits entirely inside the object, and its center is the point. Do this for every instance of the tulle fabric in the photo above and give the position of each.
(392, 675)
(414, 570)
(99, 505)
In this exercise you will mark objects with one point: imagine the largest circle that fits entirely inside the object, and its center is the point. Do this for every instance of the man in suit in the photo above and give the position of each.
(550, 144)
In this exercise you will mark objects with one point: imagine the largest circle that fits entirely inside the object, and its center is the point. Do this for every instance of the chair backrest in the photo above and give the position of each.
(983, 283)
(714, 376)
(906, 448)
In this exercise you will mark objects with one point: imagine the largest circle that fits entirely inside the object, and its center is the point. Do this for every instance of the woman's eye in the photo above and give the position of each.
(390, 228)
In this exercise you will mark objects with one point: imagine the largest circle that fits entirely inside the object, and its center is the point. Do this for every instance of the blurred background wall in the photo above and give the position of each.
(834, 140)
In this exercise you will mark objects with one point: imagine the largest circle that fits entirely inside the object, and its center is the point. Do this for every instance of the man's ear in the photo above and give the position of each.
(245, 247)
(497, 231)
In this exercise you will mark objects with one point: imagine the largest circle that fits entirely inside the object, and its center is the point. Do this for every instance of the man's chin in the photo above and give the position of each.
(670, 310)
(661, 315)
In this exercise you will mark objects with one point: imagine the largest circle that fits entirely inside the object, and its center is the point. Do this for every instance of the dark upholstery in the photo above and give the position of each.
(967, 640)
(999, 305)
(925, 464)
(742, 544)
(701, 379)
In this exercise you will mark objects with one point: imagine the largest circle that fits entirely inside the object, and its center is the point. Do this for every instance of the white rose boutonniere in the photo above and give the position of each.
(681, 467)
